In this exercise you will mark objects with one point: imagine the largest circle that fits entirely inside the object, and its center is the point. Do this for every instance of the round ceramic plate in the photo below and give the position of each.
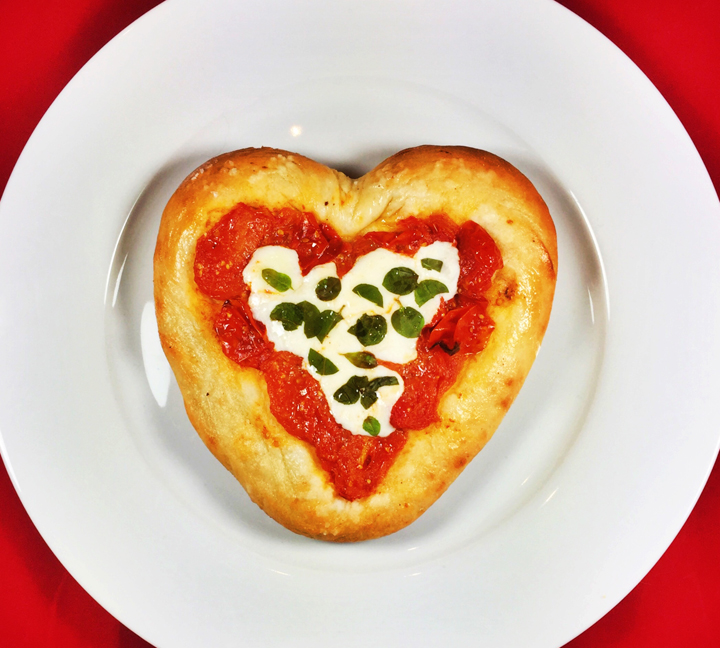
(594, 469)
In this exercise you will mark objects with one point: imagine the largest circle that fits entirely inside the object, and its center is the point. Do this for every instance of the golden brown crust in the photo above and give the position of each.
(229, 405)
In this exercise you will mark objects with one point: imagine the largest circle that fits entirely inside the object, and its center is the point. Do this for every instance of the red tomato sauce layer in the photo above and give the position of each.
(355, 463)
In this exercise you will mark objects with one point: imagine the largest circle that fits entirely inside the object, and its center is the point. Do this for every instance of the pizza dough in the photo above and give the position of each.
(229, 405)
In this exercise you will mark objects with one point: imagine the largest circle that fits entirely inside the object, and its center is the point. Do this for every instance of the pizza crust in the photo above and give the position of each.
(229, 405)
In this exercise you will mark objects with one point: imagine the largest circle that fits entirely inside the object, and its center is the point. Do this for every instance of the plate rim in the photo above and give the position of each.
(68, 90)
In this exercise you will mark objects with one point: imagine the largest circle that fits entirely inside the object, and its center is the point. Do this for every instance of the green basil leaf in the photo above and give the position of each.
(311, 317)
(401, 281)
(432, 264)
(349, 393)
(321, 364)
(369, 395)
(408, 322)
(371, 425)
(278, 280)
(290, 315)
(362, 389)
(369, 329)
(328, 320)
(368, 398)
(428, 289)
(382, 381)
(362, 359)
(328, 288)
(369, 292)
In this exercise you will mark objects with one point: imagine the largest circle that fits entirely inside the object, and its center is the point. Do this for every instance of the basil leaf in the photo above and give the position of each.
(382, 381)
(311, 317)
(278, 280)
(428, 289)
(447, 349)
(371, 425)
(321, 364)
(362, 389)
(328, 288)
(369, 395)
(369, 292)
(432, 264)
(368, 398)
(349, 393)
(369, 329)
(328, 319)
(408, 322)
(401, 281)
(290, 315)
(362, 359)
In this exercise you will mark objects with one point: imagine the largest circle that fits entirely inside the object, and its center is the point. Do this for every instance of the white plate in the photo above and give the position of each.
(598, 463)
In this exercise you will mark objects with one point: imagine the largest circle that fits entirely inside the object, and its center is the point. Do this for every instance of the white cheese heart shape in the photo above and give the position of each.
(371, 269)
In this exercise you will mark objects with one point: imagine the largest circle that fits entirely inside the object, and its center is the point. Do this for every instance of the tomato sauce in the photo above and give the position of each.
(355, 463)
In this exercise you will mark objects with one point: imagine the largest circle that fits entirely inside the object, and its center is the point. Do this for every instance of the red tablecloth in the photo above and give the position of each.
(675, 42)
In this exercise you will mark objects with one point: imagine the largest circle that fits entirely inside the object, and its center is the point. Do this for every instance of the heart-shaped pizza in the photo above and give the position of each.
(345, 347)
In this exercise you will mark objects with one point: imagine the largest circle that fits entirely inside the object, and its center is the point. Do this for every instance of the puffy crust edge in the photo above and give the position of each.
(229, 405)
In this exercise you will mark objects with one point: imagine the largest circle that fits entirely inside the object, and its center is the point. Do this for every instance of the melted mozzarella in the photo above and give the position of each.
(369, 269)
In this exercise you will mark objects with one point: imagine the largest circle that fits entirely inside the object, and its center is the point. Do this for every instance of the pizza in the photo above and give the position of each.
(346, 346)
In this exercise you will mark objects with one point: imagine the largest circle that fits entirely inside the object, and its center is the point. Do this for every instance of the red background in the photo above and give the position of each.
(675, 42)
